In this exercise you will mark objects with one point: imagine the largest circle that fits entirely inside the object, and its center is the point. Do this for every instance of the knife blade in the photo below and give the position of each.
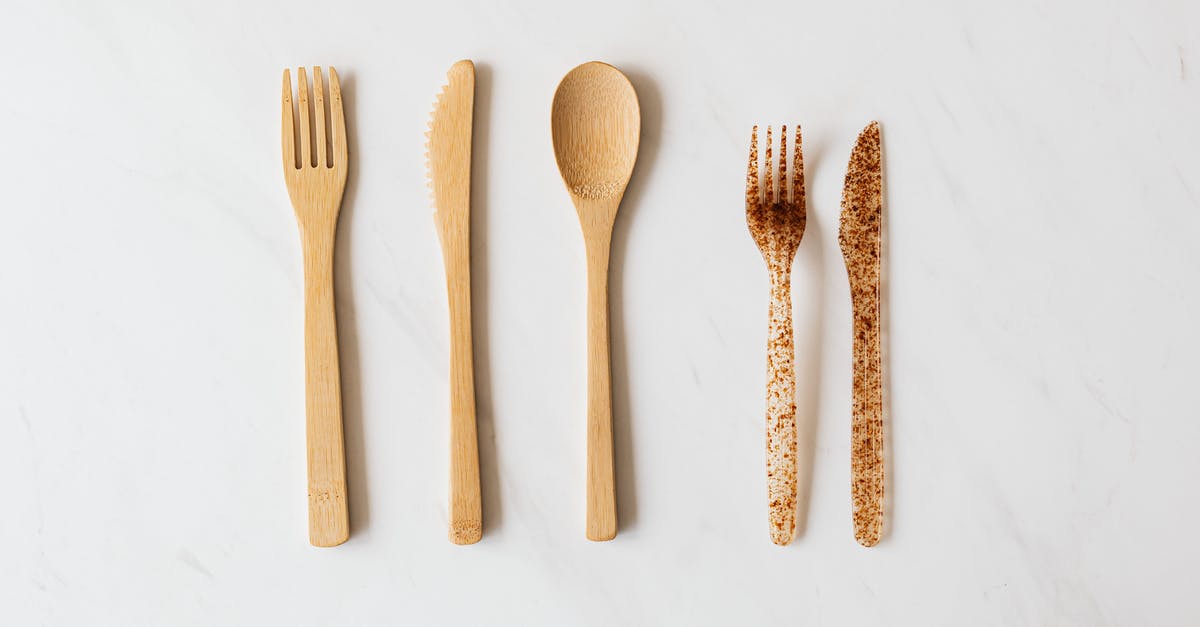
(448, 159)
(859, 239)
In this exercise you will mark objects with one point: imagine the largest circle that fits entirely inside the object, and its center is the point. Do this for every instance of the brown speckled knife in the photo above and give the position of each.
(859, 237)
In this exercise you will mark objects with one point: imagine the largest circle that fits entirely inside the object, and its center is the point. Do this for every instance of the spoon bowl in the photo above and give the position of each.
(596, 125)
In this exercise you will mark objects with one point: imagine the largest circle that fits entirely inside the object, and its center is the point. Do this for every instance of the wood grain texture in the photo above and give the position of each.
(449, 161)
(596, 125)
(859, 237)
(776, 220)
(315, 175)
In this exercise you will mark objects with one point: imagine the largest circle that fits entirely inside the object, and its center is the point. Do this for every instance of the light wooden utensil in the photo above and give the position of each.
(859, 237)
(596, 125)
(316, 177)
(448, 158)
(776, 219)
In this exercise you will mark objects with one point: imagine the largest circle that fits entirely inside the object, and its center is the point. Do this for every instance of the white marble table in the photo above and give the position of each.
(1043, 202)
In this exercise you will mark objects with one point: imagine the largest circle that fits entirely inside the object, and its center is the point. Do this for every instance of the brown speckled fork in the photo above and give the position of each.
(776, 220)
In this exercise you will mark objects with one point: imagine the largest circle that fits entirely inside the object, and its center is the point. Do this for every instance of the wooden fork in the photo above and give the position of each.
(776, 222)
(316, 177)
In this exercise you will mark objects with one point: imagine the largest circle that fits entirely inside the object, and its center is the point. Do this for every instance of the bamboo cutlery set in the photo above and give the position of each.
(595, 125)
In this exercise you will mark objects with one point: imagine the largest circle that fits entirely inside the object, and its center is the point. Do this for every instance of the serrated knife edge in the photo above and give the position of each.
(448, 149)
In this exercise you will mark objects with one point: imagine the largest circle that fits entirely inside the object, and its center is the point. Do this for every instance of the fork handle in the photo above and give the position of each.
(601, 484)
(781, 408)
(328, 513)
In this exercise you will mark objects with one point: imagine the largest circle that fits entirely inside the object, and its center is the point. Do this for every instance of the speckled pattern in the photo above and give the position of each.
(777, 223)
(606, 189)
(859, 237)
(466, 532)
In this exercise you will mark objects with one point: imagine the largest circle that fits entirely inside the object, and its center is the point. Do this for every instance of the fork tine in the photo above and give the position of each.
(319, 112)
(305, 123)
(289, 126)
(769, 166)
(337, 120)
(783, 179)
(798, 172)
(752, 170)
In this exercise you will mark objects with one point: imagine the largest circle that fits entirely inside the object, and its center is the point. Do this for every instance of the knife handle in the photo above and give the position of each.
(866, 431)
(466, 517)
(781, 408)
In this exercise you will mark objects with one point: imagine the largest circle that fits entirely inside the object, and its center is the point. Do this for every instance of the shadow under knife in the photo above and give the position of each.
(485, 420)
(889, 481)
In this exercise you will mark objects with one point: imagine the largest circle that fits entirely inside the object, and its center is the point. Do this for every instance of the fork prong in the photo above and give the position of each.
(305, 123)
(798, 172)
(319, 112)
(769, 166)
(288, 130)
(337, 119)
(752, 170)
(783, 179)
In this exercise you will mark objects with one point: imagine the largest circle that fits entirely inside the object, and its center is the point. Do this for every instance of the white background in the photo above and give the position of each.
(1042, 202)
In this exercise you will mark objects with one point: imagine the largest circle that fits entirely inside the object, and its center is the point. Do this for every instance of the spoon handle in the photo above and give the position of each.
(601, 488)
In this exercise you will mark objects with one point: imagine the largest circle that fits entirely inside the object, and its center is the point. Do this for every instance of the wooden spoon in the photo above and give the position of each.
(596, 125)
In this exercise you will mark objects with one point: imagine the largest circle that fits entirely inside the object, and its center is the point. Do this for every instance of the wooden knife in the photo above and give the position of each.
(859, 237)
(448, 158)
